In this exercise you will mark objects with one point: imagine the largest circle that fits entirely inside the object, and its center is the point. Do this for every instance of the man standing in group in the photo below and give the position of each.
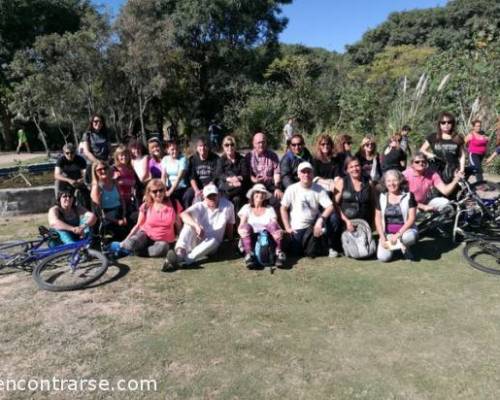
(264, 167)
(22, 140)
(405, 140)
(308, 215)
(288, 131)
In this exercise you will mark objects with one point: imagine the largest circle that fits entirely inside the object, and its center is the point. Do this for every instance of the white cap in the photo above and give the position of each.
(210, 189)
(304, 165)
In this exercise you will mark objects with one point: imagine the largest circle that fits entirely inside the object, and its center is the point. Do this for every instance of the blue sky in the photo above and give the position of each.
(330, 24)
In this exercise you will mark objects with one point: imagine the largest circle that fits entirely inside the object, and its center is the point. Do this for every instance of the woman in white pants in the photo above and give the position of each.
(395, 218)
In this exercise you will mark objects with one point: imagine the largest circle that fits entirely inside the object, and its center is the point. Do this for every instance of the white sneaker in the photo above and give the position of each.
(333, 253)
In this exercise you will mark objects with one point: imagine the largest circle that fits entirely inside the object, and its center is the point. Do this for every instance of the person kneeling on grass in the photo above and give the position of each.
(256, 217)
(70, 220)
(205, 224)
(395, 216)
(158, 218)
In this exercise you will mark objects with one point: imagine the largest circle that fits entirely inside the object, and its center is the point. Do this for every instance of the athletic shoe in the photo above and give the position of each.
(409, 255)
(280, 258)
(333, 253)
(250, 261)
(170, 261)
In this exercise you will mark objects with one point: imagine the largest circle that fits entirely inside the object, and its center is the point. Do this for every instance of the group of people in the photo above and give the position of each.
(160, 203)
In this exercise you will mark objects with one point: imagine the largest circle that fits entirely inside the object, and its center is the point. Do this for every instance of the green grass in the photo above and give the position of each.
(325, 329)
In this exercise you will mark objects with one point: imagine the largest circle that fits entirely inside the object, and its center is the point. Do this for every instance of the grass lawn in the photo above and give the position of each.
(325, 329)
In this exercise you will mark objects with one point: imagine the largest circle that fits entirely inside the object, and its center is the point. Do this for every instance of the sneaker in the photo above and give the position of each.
(250, 261)
(333, 253)
(170, 261)
(280, 258)
(409, 255)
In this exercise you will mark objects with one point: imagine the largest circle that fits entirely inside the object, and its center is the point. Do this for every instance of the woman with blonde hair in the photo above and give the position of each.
(125, 177)
(232, 173)
(395, 214)
(154, 233)
(369, 158)
(325, 162)
(106, 198)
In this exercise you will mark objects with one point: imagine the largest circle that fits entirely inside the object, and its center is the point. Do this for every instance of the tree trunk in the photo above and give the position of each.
(7, 134)
(41, 135)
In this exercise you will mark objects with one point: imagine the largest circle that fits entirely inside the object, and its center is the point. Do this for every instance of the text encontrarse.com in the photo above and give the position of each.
(54, 384)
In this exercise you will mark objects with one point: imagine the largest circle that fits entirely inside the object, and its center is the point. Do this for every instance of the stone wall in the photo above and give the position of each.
(26, 200)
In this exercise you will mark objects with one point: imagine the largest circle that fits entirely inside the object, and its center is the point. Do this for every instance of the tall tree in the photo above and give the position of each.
(21, 22)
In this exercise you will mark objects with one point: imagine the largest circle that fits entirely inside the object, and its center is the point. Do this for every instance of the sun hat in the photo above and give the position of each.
(258, 187)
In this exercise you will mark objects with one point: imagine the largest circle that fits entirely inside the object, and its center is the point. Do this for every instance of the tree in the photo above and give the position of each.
(60, 77)
(21, 22)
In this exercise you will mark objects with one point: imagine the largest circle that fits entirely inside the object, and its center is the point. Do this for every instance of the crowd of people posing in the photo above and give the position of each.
(159, 203)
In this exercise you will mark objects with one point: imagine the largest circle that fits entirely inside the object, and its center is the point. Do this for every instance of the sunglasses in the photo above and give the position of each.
(296, 144)
(445, 122)
(96, 121)
(422, 162)
(369, 144)
(69, 153)
(66, 196)
(306, 171)
(325, 144)
(156, 191)
(229, 145)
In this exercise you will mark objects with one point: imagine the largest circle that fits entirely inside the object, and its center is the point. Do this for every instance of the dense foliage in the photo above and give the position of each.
(187, 62)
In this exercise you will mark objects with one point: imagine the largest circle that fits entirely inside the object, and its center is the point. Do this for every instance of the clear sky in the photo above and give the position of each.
(331, 24)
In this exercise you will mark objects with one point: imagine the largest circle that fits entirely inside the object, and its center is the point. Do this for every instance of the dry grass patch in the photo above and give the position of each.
(325, 329)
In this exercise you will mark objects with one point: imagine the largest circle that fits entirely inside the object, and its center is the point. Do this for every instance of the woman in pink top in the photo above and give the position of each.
(477, 144)
(158, 220)
(125, 177)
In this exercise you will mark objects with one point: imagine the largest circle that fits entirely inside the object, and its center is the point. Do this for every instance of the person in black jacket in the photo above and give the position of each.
(232, 172)
(201, 171)
(296, 154)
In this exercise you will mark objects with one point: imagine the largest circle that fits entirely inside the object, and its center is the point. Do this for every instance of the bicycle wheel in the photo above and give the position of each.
(70, 269)
(484, 255)
(15, 253)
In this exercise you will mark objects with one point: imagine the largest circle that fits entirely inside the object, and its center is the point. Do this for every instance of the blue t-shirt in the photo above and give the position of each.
(173, 168)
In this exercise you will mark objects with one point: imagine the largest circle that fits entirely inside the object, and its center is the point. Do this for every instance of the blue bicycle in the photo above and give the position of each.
(55, 267)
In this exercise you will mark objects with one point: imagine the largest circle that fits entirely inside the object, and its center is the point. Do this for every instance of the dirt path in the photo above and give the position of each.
(7, 157)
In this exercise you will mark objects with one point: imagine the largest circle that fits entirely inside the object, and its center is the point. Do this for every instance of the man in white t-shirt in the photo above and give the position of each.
(205, 224)
(305, 206)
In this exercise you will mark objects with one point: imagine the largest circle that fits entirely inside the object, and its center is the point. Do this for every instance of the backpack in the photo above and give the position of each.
(265, 249)
(359, 243)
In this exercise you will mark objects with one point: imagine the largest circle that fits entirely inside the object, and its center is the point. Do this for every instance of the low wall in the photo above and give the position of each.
(26, 200)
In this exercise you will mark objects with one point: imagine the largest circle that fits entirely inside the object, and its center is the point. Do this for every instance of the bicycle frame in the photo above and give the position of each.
(37, 253)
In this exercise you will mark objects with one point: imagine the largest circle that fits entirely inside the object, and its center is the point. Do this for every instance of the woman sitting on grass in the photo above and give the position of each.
(106, 198)
(70, 220)
(395, 218)
(256, 217)
(158, 220)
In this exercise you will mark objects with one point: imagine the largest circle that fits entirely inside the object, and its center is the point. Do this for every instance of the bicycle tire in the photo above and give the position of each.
(489, 252)
(55, 274)
(11, 250)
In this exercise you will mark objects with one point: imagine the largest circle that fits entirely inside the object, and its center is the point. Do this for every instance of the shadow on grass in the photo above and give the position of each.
(433, 248)
(121, 271)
